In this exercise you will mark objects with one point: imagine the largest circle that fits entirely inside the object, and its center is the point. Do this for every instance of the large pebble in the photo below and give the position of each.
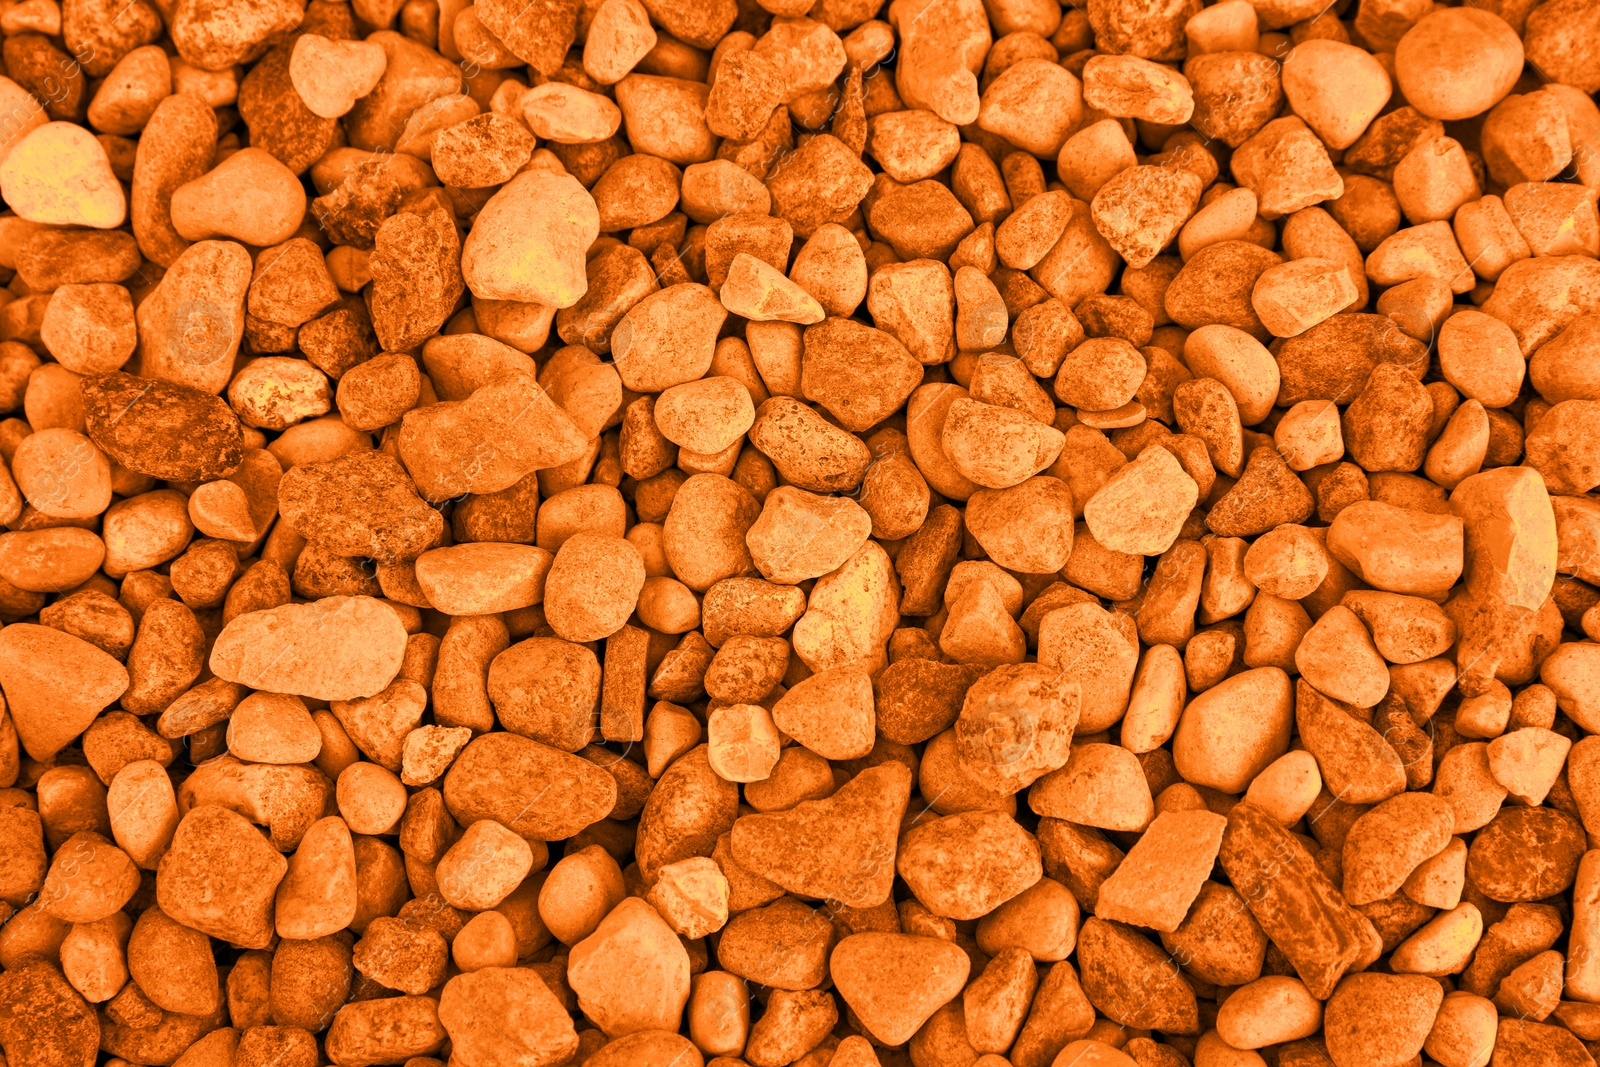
(220, 876)
(59, 174)
(528, 242)
(55, 684)
(337, 648)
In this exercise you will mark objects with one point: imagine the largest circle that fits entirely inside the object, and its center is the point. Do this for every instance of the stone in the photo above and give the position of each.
(838, 848)
(1128, 978)
(801, 535)
(55, 684)
(488, 442)
(894, 982)
(1141, 508)
(529, 240)
(1160, 877)
(632, 973)
(216, 36)
(331, 76)
(416, 266)
(505, 1017)
(59, 174)
(220, 876)
(359, 505)
(1293, 901)
(43, 1020)
(336, 648)
(191, 326)
(965, 865)
(536, 791)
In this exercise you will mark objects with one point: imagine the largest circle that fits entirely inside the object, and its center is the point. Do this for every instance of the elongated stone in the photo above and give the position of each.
(162, 429)
(1291, 898)
(534, 790)
(336, 648)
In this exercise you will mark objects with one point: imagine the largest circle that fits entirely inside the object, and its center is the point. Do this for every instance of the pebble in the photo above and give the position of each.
(287, 649)
(58, 174)
(250, 197)
(331, 75)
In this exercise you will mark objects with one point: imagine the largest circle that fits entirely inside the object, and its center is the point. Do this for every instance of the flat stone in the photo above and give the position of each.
(1160, 877)
(336, 648)
(839, 848)
(162, 429)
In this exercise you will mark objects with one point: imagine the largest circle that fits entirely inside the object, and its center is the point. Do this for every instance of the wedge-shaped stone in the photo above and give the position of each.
(831, 713)
(840, 848)
(1160, 878)
(895, 982)
(1296, 905)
